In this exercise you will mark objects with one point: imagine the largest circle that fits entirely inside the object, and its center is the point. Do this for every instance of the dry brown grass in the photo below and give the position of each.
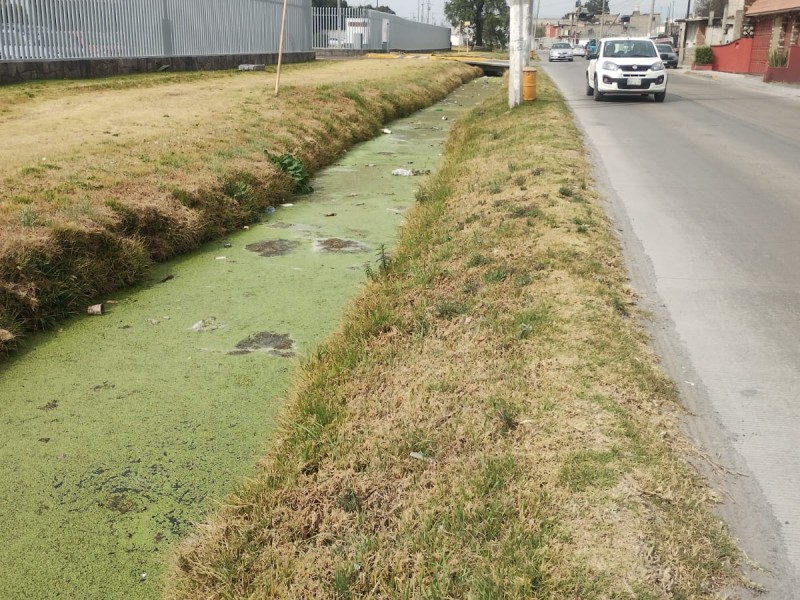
(489, 422)
(100, 177)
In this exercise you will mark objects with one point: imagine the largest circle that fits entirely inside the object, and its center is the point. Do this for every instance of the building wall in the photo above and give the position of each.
(734, 57)
(363, 29)
(410, 35)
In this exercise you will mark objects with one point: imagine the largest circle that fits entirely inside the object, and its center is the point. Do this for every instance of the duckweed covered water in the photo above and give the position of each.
(120, 431)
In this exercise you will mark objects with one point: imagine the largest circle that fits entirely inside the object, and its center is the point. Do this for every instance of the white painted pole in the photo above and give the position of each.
(280, 49)
(527, 20)
(516, 57)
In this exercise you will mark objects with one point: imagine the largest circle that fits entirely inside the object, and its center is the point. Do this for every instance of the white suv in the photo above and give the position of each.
(626, 66)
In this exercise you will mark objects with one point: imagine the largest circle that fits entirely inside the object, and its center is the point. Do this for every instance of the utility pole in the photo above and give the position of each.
(651, 17)
(536, 24)
(603, 18)
(516, 48)
(672, 20)
(527, 19)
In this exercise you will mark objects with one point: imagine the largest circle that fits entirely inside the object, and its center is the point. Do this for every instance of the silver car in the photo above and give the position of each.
(560, 51)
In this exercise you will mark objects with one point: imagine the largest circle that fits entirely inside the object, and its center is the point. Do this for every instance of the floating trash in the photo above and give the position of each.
(411, 172)
(339, 245)
(209, 324)
(277, 344)
(279, 247)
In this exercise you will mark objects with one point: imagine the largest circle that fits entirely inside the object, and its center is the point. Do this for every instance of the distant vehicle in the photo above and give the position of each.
(627, 66)
(560, 51)
(578, 50)
(668, 55)
(591, 49)
(662, 39)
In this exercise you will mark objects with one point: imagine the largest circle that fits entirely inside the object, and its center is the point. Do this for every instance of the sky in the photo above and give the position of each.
(550, 9)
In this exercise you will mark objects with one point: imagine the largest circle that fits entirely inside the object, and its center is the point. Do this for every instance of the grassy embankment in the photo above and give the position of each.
(489, 421)
(102, 177)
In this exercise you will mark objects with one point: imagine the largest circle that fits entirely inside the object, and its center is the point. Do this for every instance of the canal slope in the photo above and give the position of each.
(101, 177)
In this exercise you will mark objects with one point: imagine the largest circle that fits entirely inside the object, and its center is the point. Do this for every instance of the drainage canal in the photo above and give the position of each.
(119, 431)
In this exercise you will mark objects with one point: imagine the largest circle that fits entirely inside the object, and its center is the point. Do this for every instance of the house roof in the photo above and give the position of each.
(766, 7)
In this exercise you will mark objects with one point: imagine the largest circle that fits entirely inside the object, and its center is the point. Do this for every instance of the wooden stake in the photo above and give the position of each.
(280, 49)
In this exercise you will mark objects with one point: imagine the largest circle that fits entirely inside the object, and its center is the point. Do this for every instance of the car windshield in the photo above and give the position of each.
(629, 49)
(561, 46)
(664, 48)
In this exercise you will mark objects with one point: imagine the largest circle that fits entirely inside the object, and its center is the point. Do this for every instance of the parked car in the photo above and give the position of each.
(627, 66)
(578, 50)
(591, 49)
(668, 55)
(560, 51)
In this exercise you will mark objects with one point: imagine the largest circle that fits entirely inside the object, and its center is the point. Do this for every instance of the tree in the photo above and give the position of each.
(596, 7)
(328, 3)
(703, 8)
(497, 24)
(489, 18)
(383, 9)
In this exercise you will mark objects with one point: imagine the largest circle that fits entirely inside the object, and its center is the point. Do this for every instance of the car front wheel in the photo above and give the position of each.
(598, 96)
(589, 90)
(659, 96)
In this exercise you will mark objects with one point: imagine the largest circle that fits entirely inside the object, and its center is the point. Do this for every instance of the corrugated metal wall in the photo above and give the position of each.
(62, 29)
(353, 28)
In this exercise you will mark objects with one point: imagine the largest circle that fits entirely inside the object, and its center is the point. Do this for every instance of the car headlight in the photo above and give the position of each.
(609, 66)
(657, 66)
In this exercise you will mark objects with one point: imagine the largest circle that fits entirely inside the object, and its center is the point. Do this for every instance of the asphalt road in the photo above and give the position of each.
(705, 192)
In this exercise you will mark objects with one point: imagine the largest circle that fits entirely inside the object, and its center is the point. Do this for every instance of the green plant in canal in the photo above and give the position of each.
(384, 262)
(294, 169)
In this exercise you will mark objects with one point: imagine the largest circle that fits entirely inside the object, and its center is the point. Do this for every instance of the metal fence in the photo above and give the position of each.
(69, 29)
(364, 29)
